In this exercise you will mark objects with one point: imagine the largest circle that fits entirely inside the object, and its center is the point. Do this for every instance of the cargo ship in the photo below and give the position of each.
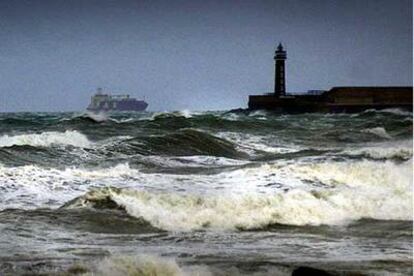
(345, 99)
(102, 102)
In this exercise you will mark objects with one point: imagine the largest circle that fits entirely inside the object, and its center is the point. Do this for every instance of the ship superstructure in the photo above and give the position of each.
(107, 102)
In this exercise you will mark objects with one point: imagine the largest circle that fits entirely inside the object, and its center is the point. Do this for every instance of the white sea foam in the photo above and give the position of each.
(145, 265)
(379, 131)
(126, 120)
(258, 113)
(155, 265)
(353, 191)
(98, 117)
(45, 139)
(252, 143)
(401, 149)
(306, 193)
(33, 186)
(356, 174)
(231, 116)
(395, 111)
(193, 161)
(181, 113)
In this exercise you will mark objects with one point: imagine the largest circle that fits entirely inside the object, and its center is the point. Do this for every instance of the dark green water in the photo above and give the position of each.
(205, 193)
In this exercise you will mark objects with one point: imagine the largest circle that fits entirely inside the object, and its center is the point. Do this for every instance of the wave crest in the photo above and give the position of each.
(401, 150)
(350, 192)
(378, 131)
(46, 139)
(146, 265)
(395, 111)
(184, 142)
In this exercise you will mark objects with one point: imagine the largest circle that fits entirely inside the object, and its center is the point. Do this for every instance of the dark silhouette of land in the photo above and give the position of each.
(337, 99)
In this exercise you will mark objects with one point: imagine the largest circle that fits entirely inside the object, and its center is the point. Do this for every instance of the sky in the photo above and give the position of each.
(195, 55)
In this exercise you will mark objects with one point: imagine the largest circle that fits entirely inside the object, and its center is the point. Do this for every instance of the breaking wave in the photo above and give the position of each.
(379, 131)
(402, 150)
(395, 111)
(155, 265)
(89, 117)
(351, 191)
(175, 114)
(33, 186)
(146, 265)
(45, 139)
(255, 145)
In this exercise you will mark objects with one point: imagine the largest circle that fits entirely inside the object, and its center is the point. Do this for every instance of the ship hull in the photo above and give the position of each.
(130, 106)
(102, 102)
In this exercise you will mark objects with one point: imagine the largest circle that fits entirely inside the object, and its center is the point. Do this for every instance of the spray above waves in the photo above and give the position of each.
(45, 139)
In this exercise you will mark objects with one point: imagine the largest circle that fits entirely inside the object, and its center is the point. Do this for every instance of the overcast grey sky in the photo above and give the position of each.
(195, 55)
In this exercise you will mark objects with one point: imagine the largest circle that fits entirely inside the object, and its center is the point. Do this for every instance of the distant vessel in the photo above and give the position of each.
(106, 102)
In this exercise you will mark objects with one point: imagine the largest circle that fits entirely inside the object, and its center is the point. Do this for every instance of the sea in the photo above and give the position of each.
(206, 193)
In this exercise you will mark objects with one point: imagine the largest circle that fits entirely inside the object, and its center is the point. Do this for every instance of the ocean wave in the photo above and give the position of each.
(32, 186)
(184, 142)
(231, 117)
(254, 145)
(171, 114)
(259, 113)
(195, 161)
(295, 193)
(18, 122)
(102, 117)
(378, 131)
(45, 139)
(352, 191)
(145, 265)
(358, 174)
(155, 265)
(88, 117)
(401, 150)
(395, 111)
(97, 117)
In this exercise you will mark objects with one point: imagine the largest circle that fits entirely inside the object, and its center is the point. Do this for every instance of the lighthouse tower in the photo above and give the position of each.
(280, 83)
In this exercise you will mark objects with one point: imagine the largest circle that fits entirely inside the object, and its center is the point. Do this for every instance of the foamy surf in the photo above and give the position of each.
(156, 265)
(395, 111)
(32, 186)
(350, 191)
(379, 131)
(46, 139)
(188, 186)
(145, 265)
(165, 114)
(254, 144)
(389, 150)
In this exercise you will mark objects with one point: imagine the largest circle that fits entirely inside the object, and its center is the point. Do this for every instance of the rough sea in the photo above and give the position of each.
(206, 193)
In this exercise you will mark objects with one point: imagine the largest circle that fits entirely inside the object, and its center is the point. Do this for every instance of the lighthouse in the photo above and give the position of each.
(280, 83)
